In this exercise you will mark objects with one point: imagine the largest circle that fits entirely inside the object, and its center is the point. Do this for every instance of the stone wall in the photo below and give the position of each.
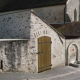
(52, 14)
(14, 55)
(71, 6)
(22, 55)
(15, 24)
(40, 28)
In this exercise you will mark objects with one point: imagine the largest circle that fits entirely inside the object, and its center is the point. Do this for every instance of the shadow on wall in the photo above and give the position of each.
(67, 18)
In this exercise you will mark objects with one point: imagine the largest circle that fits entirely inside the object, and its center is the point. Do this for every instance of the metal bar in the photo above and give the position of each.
(44, 42)
(39, 52)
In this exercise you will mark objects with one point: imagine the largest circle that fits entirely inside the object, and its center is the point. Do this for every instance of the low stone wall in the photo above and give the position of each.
(13, 55)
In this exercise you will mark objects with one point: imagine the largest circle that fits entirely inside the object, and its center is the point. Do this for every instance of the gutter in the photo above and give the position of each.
(14, 39)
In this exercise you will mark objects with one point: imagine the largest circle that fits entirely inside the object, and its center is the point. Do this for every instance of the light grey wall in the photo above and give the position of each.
(71, 5)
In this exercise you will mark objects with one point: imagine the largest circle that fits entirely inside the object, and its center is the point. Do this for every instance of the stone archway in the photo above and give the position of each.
(73, 54)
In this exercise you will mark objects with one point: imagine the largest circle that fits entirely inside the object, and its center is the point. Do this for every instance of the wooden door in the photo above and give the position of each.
(44, 53)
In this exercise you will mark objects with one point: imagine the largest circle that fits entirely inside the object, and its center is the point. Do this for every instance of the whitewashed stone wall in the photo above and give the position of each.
(17, 25)
(21, 55)
(52, 14)
(14, 55)
(18, 56)
(40, 28)
(71, 5)
(70, 49)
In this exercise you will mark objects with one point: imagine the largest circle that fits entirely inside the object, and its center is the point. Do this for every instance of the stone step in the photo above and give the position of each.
(78, 62)
(74, 65)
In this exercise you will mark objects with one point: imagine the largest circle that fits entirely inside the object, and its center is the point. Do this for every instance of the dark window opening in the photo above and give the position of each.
(1, 65)
(75, 15)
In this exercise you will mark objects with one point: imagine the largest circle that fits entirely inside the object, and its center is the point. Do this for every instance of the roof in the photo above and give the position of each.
(27, 4)
(69, 30)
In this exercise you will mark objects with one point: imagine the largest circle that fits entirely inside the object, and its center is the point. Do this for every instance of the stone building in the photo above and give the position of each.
(39, 36)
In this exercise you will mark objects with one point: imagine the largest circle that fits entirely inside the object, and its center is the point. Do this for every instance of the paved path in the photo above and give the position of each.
(52, 74)
(72, 76)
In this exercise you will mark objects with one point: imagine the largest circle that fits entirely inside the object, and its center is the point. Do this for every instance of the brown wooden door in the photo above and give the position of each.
(44, 53)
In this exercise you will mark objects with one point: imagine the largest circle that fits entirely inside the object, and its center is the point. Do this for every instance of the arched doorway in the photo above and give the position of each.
(73, 54)
(44, 53)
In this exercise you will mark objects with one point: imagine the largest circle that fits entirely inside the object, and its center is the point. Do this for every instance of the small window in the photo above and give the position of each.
(75, 15)
(1, 64)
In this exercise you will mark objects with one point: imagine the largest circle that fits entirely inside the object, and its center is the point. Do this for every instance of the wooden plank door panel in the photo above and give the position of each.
(40, 56)
(44, 56)
(49, 53)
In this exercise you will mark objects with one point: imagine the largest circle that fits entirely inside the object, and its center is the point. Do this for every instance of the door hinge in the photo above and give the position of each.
(39, 52)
